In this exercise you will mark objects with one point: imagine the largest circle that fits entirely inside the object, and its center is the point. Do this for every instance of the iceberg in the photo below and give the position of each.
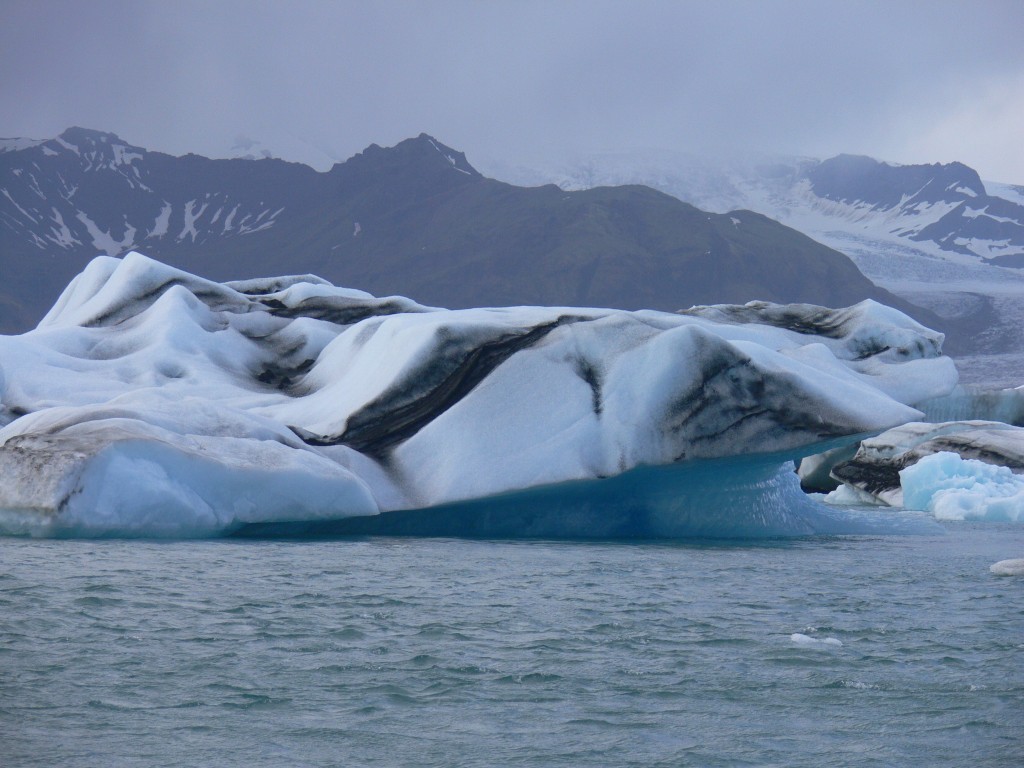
(972, 415)
(954, 488)
(1013, 567)
(813, 642)
(152, 402)
(884, 465)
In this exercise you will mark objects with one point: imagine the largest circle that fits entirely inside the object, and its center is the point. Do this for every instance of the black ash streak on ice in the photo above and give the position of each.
(397, 406)
(425, 393)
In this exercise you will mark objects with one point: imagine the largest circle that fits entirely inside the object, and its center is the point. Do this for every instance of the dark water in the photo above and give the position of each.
(441, 652)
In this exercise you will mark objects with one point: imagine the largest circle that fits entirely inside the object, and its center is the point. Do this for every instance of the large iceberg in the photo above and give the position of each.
(153, 402)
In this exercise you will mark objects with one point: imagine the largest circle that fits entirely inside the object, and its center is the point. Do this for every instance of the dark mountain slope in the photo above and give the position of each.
(65, 200)
(415, 219)
(630, 247)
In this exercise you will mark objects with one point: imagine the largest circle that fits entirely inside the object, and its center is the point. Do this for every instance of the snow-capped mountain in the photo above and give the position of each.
(414, 219)
(86, 190)
(935, 234)
(945, 205)
(941, 209)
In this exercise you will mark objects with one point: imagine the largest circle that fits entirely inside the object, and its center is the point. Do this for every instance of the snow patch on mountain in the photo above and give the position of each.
(61, 233)
(191, 216)
(455, 163)
(67, 145)
(16, 144)
(162, 222)
(103, 240)
(21, 210)
(1011, 192)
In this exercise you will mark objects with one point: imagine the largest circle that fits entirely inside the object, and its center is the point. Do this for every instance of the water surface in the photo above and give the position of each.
(849, 651)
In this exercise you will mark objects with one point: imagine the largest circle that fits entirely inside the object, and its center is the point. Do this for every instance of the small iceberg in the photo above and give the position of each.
(1013, 567)
(876, 466)
(954, 488)
(959, 470)
(813, 642)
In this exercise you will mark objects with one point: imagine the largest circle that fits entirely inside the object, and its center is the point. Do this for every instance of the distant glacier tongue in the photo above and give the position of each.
(151, 402)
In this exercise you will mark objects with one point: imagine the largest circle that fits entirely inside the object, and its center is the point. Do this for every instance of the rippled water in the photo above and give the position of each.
(876, 651)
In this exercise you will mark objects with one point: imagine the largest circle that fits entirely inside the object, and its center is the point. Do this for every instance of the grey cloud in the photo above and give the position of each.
(523, 79)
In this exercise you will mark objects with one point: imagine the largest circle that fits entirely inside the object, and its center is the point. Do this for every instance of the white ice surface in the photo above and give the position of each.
(851, 496)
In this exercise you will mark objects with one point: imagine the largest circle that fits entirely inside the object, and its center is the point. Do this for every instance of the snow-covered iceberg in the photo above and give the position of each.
(153, 402)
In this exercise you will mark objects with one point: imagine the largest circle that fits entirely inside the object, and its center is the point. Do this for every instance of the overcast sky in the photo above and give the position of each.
(929, 81)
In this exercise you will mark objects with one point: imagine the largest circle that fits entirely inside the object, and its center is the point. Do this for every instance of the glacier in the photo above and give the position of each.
(152, 402)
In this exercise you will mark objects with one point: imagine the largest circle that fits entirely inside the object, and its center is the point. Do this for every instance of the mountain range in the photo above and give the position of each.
(942, 209)
(935, 234)
(415, 219)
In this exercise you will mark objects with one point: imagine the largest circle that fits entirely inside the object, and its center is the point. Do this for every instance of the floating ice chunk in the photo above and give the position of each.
(852, 496)
(875, 468)
(1008, 567)
(814, 642)
(816, 471)
(953, 488)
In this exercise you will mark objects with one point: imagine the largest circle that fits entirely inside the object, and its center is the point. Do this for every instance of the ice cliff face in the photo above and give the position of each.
(153, 402)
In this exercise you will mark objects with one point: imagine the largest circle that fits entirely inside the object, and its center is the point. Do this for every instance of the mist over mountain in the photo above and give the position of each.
(415, 219)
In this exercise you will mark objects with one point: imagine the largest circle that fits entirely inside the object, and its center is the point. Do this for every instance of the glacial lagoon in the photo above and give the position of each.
(839, 651)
